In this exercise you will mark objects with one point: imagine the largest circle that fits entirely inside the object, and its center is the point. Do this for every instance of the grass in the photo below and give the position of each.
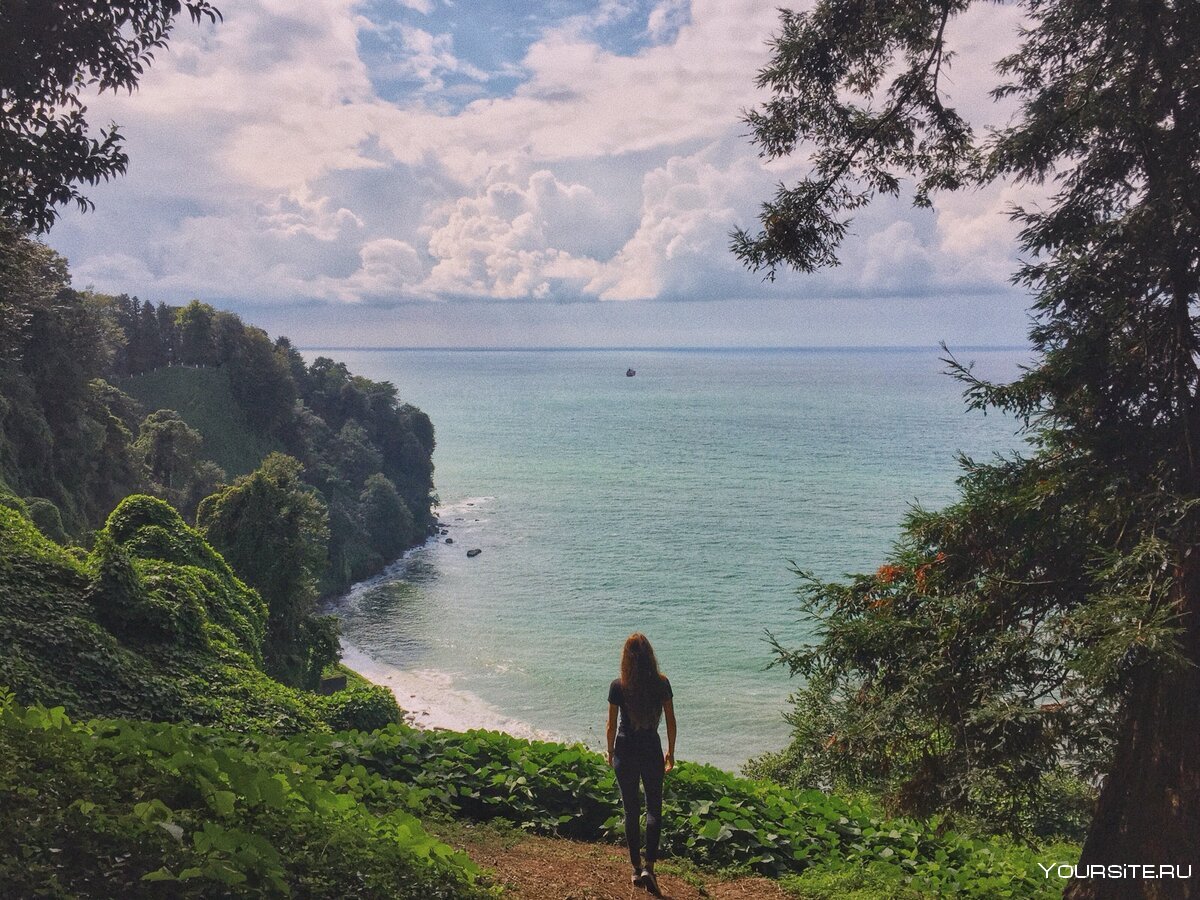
(203, 399)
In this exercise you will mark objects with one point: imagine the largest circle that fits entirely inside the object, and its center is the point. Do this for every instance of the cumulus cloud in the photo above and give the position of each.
(299, 213)
(687, 206)
(516, 239)
(389, 268)
(977, 239)
(588, 170)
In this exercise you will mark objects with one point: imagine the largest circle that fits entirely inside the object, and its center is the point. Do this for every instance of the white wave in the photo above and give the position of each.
(431, 700)
(462, 507)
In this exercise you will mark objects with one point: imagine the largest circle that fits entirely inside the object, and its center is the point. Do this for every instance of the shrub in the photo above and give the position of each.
(710, 816)
(151, 625)
(172, 811)
(361, 708)
(47, 518)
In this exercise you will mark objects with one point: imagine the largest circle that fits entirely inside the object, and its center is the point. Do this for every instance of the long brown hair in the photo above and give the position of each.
(641, 682)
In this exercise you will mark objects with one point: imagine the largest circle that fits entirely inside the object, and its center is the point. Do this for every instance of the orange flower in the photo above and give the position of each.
(921, 576)
(888, 573)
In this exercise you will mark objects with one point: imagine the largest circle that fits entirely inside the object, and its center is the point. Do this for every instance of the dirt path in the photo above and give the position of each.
(536, 868)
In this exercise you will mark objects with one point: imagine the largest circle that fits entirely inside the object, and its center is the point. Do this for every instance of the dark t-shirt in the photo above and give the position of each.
(625, 727)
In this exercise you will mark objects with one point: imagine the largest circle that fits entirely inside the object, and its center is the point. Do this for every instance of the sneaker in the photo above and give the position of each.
(650, 883)
(636, 878)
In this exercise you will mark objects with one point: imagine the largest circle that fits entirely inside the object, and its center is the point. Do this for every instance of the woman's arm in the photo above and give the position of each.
(669, 713)
(611, 730)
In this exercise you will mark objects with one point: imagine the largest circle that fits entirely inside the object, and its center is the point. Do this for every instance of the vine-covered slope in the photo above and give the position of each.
(151, 624)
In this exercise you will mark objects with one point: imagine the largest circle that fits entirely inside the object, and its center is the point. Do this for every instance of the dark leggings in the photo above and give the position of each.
(636, 762)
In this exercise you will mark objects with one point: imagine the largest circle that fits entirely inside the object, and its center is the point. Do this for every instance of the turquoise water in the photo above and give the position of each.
(669, 503)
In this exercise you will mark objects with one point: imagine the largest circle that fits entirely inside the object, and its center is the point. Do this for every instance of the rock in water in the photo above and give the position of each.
(475, 552)
(449, 540)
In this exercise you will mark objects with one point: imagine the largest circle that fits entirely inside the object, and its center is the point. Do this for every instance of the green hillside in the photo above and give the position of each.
(204, 399)
(152, 624)
(105, 396)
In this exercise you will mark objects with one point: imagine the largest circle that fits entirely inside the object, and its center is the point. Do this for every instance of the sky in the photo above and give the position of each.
(563, 173)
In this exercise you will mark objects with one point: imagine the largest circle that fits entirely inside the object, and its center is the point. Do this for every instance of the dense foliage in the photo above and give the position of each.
(966, 674)
(51, 52)
(1052, 618)
(272, 529)
(709, 816)
(81, 371)
(204, 399)
(171, 811)
(152, 624)
(213, 808)
(65, 435)
(360, 448)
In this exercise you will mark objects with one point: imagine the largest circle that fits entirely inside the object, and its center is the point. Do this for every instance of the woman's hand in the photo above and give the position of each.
(610, 733)
(669, 713)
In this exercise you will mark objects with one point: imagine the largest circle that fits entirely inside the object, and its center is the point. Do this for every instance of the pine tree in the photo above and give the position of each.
(1109, 94)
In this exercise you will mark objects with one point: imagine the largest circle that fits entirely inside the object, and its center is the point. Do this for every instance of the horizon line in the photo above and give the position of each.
(660, 349)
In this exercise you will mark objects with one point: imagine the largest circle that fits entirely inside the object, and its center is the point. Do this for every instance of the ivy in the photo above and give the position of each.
(151, 625)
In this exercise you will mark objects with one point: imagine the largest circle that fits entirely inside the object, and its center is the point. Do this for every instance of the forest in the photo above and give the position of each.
(306, 477)
(107, 396)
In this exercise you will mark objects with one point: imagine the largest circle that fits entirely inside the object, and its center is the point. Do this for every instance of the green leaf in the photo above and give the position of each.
(222, 802)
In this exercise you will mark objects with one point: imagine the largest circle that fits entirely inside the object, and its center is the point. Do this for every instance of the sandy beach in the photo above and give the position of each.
(430, 699)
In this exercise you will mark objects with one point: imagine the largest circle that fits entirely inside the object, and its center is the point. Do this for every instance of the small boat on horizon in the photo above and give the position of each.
(629, 373)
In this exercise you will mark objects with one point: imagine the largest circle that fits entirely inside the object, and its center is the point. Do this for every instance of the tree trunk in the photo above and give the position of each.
(1149, 809)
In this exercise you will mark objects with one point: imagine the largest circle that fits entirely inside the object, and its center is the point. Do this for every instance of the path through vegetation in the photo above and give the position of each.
(537, 868)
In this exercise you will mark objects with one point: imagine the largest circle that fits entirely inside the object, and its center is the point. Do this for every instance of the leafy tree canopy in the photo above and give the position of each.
(273, 530)
(169, 447)
(51, 53)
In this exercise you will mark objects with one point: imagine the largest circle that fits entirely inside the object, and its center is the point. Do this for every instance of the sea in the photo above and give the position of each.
(678, 502)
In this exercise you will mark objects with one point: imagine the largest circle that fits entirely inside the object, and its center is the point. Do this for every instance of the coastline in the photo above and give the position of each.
(428, 696)
(430, 700)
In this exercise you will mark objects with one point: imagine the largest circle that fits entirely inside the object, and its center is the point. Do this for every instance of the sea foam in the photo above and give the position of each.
(430, 699)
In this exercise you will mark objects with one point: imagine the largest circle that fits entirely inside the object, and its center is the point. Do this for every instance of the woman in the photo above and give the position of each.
(641, 696)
